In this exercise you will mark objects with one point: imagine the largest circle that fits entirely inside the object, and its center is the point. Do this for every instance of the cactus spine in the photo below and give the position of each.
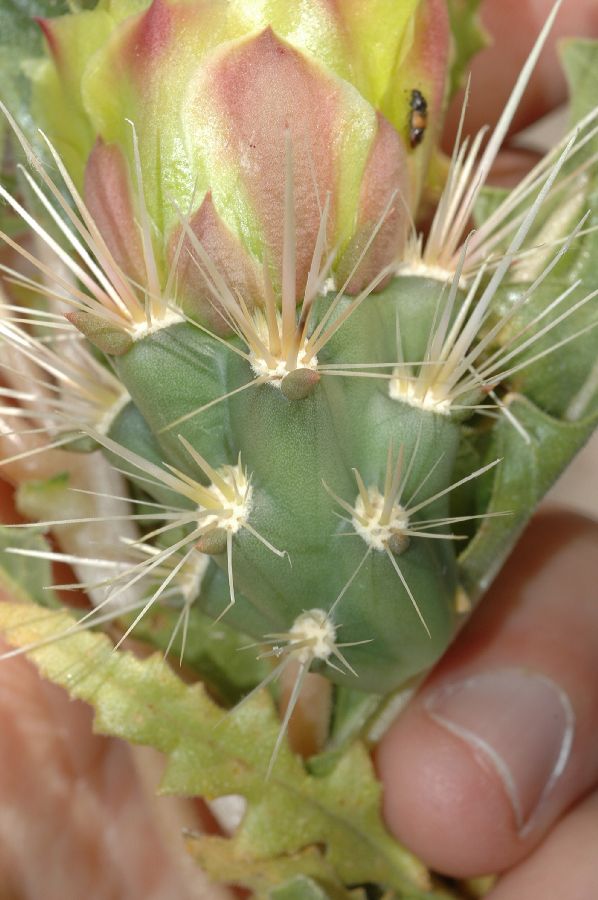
(295, 387)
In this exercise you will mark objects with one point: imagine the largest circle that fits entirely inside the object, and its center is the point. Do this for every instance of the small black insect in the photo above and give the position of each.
(418, 118)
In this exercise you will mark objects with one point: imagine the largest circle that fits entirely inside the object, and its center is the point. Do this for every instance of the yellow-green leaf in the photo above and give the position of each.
(212, 754)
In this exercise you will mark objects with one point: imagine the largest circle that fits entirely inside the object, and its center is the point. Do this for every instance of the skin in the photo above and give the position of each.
(513, 24)
(77, 809)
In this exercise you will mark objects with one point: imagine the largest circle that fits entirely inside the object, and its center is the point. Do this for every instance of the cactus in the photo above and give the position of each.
(256, 395)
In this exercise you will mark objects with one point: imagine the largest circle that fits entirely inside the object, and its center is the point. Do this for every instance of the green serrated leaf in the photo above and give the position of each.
(301, 876)
(526, 472)
(211, 755)
(23, 577)
(212, 649)
(469, 37)
(301, 888)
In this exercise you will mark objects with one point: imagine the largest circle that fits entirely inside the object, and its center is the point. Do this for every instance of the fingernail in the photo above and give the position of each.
(520, 723)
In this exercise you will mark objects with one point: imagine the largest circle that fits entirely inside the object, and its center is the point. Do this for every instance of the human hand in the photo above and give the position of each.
(494, 765)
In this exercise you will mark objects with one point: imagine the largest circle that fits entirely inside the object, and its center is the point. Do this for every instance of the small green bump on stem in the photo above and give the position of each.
(213, 543)
(398, 543)
(108, 338)
(299, 384)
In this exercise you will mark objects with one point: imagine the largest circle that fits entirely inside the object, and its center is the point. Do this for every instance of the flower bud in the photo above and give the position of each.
(181, 115)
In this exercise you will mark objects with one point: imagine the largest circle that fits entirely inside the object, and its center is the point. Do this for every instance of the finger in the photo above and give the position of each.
(513, 26)
(565, 864)
(75, 819)
(8, 512)
(511, 166)
(502, 737)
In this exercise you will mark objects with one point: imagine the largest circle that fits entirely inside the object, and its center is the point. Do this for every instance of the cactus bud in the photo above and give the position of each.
(212, 543)
(211, 91)
(299, 384)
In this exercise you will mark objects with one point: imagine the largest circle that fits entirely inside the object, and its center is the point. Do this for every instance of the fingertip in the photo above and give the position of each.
(513, 26)
(440, 801)
(8, 512)
(500, 740)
